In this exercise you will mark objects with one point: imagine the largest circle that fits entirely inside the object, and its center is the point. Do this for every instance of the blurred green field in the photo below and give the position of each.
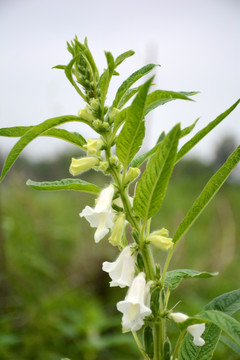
(55, 300)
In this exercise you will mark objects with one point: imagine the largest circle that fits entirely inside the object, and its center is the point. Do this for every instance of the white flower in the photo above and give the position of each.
(195, 330)
(102, 215)
(122, 269)
(134, 306)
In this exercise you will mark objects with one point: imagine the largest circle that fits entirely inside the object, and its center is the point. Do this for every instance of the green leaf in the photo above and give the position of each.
(196, 138)
(173, 278)
(32, 134)
(106, 77)
(68, 73)
(127, 96)
(131, 136)
(123, 56)
(141, 158)
(207, 194)
(65, 184)
(228, 303)
(120, 119)
(61, 67)
(152, 186)
(160, 97)
(188, 129)
(72, 137)
(130, 81)
(230, 344)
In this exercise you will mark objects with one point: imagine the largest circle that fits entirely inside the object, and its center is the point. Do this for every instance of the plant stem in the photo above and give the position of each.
(140, 346)
(178, 344)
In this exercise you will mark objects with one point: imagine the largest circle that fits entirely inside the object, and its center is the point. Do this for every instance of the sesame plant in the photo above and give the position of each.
(124, 220)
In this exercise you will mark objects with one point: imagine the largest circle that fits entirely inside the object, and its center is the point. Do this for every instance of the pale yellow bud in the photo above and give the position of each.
(95, 104)
(97, 124)
(117, 230)
(132, 174)
(162, 241)
(103, 165)
(79, 165)
(86, 114)
(93, 146)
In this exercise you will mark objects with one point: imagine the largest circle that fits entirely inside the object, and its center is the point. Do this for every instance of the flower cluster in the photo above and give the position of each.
(136, 305)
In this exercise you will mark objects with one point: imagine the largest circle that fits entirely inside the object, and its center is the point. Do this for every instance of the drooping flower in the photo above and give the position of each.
(85, 163)
(134, 307)
(102, 215)
(195, 330)
(117, 231)
(122, 269)
(161, 239)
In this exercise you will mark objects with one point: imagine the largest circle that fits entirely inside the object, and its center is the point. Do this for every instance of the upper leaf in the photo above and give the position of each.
(123, 56)
(141, 158)
(32, 134)
(72, 137)
(152, 186)
(131, 136)
(173, 278)
(196, 138)
(130, 81)
(160, 97)
(65, 184)
(208, 193)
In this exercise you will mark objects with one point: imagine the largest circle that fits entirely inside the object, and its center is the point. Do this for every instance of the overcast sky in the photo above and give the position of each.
(195, 41)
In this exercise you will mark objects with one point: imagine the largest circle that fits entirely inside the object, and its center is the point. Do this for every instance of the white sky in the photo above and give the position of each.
(195, 41)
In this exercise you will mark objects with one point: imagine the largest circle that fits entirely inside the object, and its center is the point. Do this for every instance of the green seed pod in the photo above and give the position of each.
(140, 263)
(154, 303)
(148, 341)
(167, 350)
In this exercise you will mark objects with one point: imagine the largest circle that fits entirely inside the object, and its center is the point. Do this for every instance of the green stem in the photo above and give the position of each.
(178, 344)
(157, 340)
(169, 257)
(140, 346)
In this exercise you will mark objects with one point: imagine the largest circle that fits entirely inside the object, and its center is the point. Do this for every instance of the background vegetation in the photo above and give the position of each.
(55, 300)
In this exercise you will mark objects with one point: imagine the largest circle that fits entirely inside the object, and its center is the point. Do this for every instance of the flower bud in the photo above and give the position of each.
(117, 230)
(105, 125)
(132, 174)
(113, 114)
(97, 124)
(95, 104)
(86, 114)
(103, 165)
(162, 241)
(93, 146)
(79, 165)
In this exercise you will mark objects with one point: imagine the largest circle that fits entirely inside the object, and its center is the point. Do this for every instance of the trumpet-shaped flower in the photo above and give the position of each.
(195, 330)
(102, 215)
(122, 269)
(79, 165)
(134, 307)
